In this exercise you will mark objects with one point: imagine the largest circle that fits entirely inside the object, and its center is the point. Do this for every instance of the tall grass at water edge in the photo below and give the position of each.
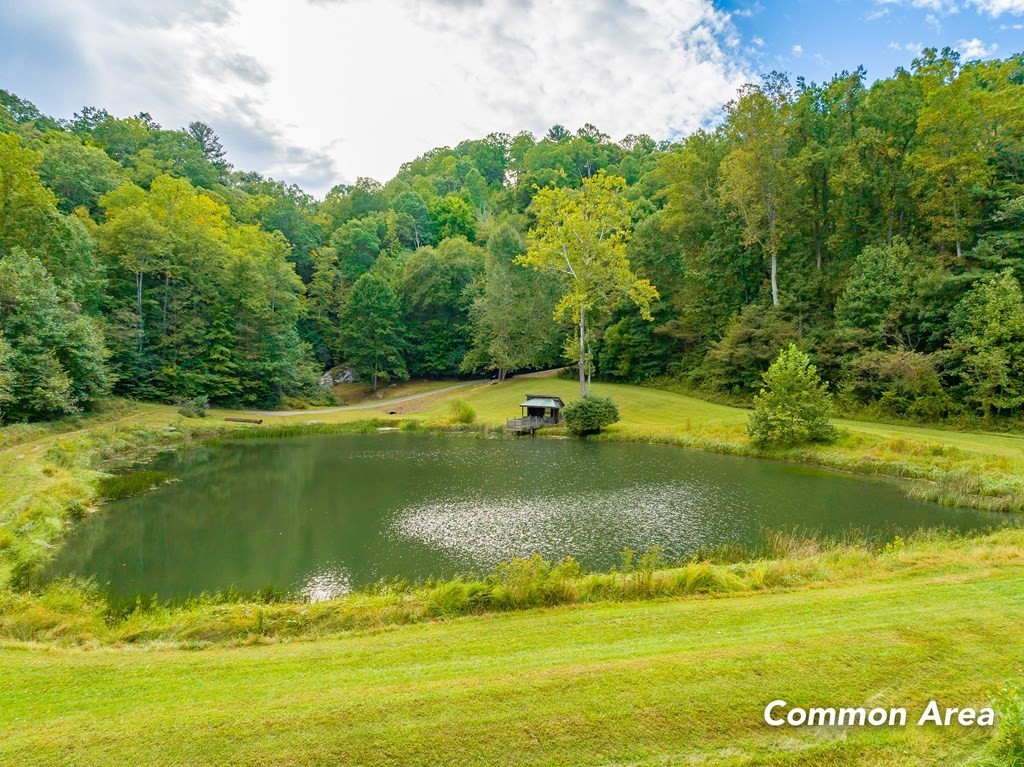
(72, 612)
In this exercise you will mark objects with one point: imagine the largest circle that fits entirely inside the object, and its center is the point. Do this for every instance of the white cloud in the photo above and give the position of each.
(996, 8)
(323, 91)
(932, 20)
(975, 49)
(908, 47)
(758, 41)
(798, 50)
(993, 8)
(878, 13)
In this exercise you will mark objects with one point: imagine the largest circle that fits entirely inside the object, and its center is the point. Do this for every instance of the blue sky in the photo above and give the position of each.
(818, 39)
(319, 92)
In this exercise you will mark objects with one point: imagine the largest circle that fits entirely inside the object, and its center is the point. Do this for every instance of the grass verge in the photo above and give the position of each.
(658, 682)
(73, 613)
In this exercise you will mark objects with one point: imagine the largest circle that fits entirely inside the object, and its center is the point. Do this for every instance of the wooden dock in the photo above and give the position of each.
(529, 425)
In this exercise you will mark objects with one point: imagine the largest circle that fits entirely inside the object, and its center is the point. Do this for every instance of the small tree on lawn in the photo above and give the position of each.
(588, 415)
(794, 404)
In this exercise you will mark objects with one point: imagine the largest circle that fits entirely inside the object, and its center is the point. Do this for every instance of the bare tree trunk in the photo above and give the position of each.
(826, 226)
(956, 224)
(774, 248)
(818, 227)
(167, 287)
(138, 305)
(583, 353)
(775, 280)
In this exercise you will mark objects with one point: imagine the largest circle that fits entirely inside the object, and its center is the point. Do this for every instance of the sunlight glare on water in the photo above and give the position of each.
(488, 531)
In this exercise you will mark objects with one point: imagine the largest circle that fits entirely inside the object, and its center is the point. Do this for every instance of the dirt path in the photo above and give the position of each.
(36, 442)
(397, 400)
(370, 405)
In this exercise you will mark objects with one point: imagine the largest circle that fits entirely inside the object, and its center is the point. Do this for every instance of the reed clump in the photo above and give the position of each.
(117, 486)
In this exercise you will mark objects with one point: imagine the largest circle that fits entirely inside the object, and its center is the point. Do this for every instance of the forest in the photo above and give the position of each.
(878, 226)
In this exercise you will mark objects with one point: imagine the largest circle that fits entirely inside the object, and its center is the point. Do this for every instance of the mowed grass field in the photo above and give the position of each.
(672, 682)
(644, 412)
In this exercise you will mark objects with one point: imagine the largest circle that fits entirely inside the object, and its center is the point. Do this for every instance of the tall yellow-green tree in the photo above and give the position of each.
(951, 156)
(581, 236)
(757, 175)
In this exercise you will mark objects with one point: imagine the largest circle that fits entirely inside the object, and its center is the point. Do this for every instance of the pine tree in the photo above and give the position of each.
(793, 406)
(371, 331)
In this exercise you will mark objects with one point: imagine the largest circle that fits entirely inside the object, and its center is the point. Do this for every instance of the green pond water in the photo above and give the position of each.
(320, 515)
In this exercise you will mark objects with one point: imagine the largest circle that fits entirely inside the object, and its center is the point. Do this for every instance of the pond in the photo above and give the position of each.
(320, 515)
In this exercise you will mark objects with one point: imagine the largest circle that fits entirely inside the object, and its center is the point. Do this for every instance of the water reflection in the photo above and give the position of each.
(325, 583)
(678, 517)
(322, 515)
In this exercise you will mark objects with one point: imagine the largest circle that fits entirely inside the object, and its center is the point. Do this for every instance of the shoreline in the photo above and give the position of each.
(88, 452)
(73, 460)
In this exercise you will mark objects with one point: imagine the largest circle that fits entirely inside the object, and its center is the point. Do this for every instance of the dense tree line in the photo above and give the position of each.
(878, 227)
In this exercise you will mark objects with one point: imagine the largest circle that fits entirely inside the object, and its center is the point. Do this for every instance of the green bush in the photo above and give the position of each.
(793, 406)
(900, 382)
(460, 411)
(736, 364)
(1006, 749)
(193, 408)
(1009, 737)
(590, 414)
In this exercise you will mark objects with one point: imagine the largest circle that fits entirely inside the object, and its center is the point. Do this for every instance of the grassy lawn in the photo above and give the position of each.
(644, 411)
(669, 682)
(360, 393)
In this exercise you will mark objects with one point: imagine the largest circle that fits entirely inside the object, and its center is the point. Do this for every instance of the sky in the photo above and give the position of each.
(320, 92)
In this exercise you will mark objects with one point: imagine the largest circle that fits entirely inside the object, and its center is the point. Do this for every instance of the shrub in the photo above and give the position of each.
(590, 414)
(900, 381)
(193, 408)
(793, 406)
(1006, 749)
(1009, 737)
(460, 411)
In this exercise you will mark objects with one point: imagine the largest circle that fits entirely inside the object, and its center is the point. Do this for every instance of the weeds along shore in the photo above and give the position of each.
(55, 474)
(72, 612)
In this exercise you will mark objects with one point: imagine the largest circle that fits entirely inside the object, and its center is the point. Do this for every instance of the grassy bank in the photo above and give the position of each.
(77, 614)
(661, 682)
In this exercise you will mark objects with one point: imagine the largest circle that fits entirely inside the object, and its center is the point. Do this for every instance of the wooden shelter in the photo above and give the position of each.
(538, 410)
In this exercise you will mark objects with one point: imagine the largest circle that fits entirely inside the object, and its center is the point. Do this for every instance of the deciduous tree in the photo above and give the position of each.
(581, 236)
